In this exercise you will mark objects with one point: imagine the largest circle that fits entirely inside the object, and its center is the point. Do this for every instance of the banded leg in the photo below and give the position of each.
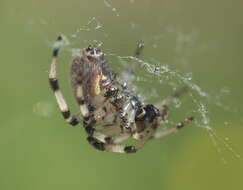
(159, 134)
(118, 148)
(147, 135)
(103, 137)
(85, 113)
(92, 119)
(110, 147)
(72, 120)
(150, 134)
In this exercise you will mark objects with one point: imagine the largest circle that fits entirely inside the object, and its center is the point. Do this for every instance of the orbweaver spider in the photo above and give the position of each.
(104, 100)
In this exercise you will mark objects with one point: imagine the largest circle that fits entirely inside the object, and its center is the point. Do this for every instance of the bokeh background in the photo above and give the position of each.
(198, 39)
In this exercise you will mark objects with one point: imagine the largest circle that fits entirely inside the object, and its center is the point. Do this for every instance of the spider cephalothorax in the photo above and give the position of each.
(104, 100)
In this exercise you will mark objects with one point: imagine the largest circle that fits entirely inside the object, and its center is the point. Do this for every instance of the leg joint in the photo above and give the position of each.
(54, 84)
(74, 121)
(95, 143)
(130, 149)
(66, 114)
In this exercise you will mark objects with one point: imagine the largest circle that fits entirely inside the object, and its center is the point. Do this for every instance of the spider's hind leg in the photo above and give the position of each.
(72, 120)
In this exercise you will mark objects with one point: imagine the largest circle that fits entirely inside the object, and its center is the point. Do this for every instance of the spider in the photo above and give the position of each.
(105, 100)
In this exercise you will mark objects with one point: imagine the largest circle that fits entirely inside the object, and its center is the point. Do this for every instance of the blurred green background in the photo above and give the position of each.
(202, 38)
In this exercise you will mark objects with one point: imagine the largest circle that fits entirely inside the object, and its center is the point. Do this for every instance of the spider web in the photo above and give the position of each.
(163, 73)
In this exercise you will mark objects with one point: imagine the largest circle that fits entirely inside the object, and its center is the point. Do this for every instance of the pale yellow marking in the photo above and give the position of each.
(60, 101)
(104, 77)
(97, 85)
(69, 119)
(52, 73)
(115, 148)
(79, 91)
(99, 136)
(84, 110)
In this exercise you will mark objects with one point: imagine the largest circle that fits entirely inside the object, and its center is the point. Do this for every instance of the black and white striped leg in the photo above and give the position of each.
(110, 147)
(114, 135)
(113, 146)
(82, 104)
(103, 137)
(102, 142)
(159, 134)
(90, 120)
(72, 120)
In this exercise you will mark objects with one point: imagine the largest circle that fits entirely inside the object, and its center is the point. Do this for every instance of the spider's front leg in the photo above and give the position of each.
(72, 120)
(163, 105)
(134, 61)
(163, 133)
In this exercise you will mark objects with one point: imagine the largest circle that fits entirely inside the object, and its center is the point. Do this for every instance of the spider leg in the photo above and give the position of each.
(83, 107)
(159, 134)
(163, 105)
(106, 136)
(118, 148)
(169, 99)
(144, 137)
(137, 53)
(103, 140)
(72, 120)
(127, 75)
